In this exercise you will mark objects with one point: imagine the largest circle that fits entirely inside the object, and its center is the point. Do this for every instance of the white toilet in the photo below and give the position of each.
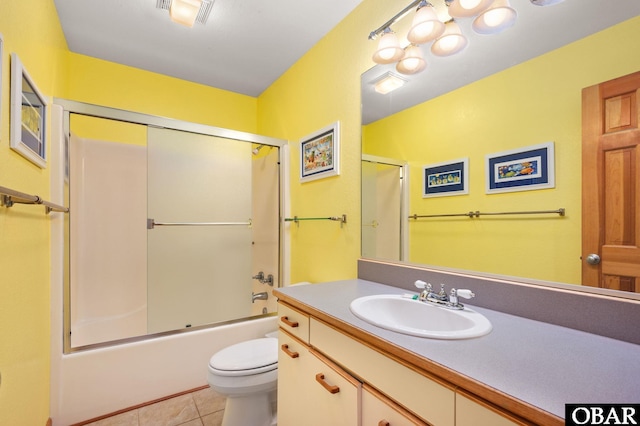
(247, 374)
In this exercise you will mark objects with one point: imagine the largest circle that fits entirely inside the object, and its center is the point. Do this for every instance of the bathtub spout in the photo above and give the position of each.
(259, 296)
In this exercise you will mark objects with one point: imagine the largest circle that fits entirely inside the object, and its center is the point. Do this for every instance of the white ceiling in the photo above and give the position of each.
(247, 44)
(244, 46)
(537, 30)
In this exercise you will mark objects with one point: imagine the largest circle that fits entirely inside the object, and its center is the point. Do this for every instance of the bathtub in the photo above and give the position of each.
(92, 383)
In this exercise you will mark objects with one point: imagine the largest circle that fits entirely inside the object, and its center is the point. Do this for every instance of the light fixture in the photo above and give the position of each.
(496, 19)
(187, 12)
(412, 62)
(389, 49)
(450, 42)
(467, 8)
(388, 82)
(425, 25)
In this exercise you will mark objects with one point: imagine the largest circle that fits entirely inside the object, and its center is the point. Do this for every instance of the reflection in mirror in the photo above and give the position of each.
(526, 102)
(167, 230)
(384, 204)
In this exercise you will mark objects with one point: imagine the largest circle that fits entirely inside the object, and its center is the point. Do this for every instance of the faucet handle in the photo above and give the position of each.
(467, 294)
(421, 284)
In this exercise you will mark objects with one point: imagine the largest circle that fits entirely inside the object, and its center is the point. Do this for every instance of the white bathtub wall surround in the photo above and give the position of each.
(265, 249)
(108, 244)
(562, 305)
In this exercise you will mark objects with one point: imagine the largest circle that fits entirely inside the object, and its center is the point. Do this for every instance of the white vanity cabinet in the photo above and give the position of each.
(327, 377)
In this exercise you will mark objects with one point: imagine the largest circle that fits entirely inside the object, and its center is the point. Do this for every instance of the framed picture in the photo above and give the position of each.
(28, 115)
(521, 169)
(444, 179)
(320, 153)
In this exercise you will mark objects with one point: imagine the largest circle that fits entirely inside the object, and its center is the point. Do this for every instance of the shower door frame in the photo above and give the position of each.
(97, 111)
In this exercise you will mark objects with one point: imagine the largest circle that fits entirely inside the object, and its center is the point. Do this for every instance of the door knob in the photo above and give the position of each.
(593, 259)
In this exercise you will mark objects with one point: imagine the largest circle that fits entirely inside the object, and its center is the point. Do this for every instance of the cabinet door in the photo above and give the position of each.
(471, 411)
(333, 395)
(293, 357)
(378, 410)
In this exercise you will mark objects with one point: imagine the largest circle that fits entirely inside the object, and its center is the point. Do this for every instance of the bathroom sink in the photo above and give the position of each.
(408, 316)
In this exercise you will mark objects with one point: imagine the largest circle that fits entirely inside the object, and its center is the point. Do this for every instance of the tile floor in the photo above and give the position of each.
(199, 408)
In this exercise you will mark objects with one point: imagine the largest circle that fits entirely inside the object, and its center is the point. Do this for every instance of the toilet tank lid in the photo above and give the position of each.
(246, 355)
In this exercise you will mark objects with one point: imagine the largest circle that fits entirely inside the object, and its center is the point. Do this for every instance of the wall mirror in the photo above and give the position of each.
(28, 115)
(519, 88)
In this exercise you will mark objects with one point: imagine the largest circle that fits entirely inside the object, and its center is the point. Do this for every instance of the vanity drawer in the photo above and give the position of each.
(471, 411)
(432, 401)
(379, 410)
(293, 322)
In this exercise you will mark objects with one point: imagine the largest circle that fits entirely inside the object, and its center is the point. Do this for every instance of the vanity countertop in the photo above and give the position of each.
(522, 361)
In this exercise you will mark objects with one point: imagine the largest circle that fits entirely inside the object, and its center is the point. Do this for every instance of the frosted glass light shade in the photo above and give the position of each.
(412, 62)
(450, 42)
(425, 26)
(467, 8)
(185, 12)
(496, 19)
(389, 49)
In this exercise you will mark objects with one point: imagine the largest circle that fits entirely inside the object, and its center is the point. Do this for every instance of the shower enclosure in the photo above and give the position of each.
(170, 226)
(384, 208)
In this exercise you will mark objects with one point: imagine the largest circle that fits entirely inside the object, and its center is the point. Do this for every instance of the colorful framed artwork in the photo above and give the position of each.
(28, 114)
(320, 153)
(521, 169)
(446, 179)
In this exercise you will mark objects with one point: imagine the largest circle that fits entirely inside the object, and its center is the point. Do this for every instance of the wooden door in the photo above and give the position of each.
(611, 184)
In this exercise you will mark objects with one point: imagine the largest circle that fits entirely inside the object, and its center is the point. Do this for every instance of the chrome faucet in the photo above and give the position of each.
(441, 298)
(263, 295)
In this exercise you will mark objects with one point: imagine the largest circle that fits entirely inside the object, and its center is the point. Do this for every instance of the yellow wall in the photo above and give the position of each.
(321, 88)
(105, 83)
(31, 28)
(535, 102)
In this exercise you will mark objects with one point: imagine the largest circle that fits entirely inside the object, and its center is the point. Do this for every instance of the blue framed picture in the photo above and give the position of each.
(445, 179)
(521, 169)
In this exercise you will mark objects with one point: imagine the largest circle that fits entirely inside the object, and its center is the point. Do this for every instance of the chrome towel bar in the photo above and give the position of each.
(152, 223)
(11, 197)
(476, 213)
(342, 219)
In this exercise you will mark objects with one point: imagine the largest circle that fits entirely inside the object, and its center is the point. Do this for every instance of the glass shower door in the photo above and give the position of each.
(199, 234)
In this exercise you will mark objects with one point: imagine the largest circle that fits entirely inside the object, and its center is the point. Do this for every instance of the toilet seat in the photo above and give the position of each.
(246, 358)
